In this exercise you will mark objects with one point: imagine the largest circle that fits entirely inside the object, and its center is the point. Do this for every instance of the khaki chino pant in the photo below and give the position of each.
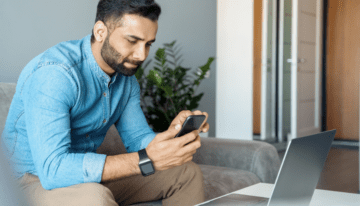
(182, 185)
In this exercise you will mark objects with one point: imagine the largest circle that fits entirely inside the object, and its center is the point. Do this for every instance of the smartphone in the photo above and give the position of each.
(192, 122)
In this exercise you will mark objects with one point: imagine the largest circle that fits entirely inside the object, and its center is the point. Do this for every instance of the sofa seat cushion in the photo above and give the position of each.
(222, 180)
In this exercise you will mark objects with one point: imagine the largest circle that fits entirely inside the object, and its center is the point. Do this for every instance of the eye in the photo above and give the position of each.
(148, 45)
(132, 42)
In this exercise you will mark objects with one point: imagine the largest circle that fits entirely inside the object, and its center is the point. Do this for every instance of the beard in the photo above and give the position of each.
(112, 58)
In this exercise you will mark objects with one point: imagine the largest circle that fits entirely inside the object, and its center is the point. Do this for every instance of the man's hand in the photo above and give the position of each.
(166, 152)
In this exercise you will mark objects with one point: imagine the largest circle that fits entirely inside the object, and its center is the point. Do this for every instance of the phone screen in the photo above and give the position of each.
(193, 122)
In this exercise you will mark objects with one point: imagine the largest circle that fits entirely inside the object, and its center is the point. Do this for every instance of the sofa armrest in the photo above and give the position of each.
(7, 91)
(257, 157)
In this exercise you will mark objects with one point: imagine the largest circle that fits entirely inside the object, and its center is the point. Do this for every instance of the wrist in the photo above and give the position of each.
(120, 166)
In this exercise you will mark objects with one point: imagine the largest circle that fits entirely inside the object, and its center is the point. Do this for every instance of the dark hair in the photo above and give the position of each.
(113, 10)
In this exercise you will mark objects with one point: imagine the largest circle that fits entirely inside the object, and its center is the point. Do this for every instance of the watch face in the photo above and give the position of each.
(147, 168)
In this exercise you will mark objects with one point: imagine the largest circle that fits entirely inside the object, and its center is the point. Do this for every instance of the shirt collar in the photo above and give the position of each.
(94, 66)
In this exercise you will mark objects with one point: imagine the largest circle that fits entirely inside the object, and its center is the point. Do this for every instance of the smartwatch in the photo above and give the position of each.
(145, 164)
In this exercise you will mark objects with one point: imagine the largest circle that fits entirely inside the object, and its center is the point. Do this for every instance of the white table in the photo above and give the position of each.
(320, 197)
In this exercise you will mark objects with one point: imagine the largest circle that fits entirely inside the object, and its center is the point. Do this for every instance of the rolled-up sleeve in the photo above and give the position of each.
(132, 125)
(49, 95)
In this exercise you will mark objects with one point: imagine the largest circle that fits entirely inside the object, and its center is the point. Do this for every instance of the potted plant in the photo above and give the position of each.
(168, 88)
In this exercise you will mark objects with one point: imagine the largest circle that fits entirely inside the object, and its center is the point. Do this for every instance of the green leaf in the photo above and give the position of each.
(160, 53)
(157, 69)
(158, 60)
(168, 90)
(197, 97)
(139, 73)
(155, 77)
(157, 119)
(171, 44)
(206, 67)
(194, 102)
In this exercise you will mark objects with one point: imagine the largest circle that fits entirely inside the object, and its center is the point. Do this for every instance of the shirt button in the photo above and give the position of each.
(104, 121)
(87, 136)
(104, 94)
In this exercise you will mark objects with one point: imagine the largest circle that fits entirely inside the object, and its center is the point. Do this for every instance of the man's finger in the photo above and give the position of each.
(170, 133)
(180, 118)
(205, 127)
(185, 139)
(177, 127)
(189, 137)
(197, 112)
(192, 146)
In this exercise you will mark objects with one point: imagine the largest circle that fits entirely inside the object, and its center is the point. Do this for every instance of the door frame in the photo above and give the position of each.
(323, 50)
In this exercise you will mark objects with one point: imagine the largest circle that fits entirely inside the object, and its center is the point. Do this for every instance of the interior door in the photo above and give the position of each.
(284, 81)
(306, 67)
(268, 70)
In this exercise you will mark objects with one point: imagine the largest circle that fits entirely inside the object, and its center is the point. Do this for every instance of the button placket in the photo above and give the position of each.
(106, 106)
(106, 101)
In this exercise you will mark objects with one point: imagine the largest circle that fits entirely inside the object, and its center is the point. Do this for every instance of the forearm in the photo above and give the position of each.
(120, 166)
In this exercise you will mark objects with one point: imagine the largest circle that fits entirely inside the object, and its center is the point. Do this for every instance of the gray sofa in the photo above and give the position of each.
(227, 165)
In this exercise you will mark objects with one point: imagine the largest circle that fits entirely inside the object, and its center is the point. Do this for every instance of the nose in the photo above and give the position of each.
(140, 53)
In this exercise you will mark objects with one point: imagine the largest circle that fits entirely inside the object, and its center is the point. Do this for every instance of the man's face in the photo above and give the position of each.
(127, 46)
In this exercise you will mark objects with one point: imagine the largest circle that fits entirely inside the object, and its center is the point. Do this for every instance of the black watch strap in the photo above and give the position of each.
(143, 155)
(145, 164)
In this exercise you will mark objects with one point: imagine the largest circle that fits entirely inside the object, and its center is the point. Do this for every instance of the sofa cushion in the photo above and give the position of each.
(112, 144)
(260, 158)
(222, 180)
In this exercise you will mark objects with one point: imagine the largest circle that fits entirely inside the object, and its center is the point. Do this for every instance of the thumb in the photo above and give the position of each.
(169, 133)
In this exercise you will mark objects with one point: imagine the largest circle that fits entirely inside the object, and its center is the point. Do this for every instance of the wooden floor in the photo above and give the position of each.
(341, 170)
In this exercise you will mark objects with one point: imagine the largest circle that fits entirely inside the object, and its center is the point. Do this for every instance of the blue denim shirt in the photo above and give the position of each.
(63, 106)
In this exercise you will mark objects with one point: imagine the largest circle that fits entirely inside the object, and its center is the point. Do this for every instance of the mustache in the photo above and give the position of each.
(138, 63)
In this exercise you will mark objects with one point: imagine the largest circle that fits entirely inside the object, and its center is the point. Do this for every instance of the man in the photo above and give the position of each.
(67, 98)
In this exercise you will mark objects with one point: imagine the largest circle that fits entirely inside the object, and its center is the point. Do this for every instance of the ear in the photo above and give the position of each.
(100, 31)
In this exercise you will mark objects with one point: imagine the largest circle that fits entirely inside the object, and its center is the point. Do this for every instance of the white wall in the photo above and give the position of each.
(234, 81)
(30, 27)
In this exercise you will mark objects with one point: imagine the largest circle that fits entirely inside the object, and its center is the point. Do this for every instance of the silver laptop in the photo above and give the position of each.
(298, 175)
